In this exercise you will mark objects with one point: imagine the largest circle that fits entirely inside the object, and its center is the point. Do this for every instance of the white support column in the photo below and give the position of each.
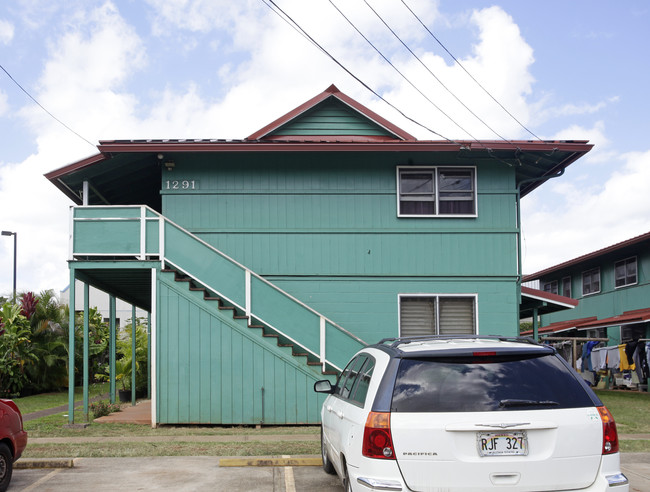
(248, 294)
(143, 233)
(322, 342)
(71, 235)
(161, 241)
(154, 348)
(84, 198)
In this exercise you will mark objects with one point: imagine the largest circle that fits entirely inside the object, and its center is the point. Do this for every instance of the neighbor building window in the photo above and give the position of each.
(566, 286)
(437, 315)
(591, 281)
(551, 287)
(625, 272)
(436, 191)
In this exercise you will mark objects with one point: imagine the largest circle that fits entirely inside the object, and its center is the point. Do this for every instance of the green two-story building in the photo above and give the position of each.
(612, 285)
(267, 262)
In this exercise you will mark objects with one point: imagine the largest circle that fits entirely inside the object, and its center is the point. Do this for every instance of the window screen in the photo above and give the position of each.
(437, 315)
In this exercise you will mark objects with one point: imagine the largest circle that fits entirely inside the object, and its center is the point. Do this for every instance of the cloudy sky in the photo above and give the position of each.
(223, 69)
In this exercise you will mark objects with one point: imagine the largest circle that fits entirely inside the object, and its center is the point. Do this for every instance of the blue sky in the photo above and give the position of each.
(214, 69)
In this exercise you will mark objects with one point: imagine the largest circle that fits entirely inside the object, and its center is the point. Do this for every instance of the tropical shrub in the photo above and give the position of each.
(103, 408)
(16, 351)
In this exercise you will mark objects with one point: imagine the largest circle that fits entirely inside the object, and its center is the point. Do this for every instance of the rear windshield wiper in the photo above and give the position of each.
(528, 403)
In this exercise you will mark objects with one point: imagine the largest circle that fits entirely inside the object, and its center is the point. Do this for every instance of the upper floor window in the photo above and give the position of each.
(591, 281)
(551, 287)
(625, 272)
(566, 286)
(436, 191)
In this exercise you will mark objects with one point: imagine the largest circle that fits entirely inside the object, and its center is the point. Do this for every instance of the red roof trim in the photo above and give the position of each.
(636, 316)
(331, 143)
(547, 296)
(588, 256)
(75, 166)
(331, 91)
(559, 326)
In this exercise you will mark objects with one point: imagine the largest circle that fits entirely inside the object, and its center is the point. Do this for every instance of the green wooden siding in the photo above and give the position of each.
(329, 221)
(610, 301)
(211, 369)
(331, 117)
(370, 305)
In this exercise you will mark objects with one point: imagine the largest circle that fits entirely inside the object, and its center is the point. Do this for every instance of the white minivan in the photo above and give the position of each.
(467, 413)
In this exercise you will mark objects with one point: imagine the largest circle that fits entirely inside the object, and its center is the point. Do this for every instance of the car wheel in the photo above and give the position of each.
(6, 466)
(346, 479)
(327, 464)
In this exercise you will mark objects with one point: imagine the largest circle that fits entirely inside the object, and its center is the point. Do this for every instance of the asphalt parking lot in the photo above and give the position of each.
(171, 473)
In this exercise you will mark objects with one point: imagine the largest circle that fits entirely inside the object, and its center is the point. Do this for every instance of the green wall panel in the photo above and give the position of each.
(212, 370)
(369, 307)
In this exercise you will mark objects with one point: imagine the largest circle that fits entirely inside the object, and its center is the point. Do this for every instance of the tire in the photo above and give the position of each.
(327, 463)
(6, 466)
(346, 479)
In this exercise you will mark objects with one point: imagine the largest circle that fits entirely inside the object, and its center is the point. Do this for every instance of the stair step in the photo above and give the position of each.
(178, 277)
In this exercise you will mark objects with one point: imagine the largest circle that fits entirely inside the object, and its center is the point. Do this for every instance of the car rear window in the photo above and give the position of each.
(478, 384)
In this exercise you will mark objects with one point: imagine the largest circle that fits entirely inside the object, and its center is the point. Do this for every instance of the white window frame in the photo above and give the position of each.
(636, 272)
(551, 284)
(570, 286)
(437, 298)
(600, 281)
(435, 170)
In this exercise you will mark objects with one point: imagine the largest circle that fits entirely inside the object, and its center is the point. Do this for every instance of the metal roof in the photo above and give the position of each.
(129, 171)
(545, 302)
(589, 256)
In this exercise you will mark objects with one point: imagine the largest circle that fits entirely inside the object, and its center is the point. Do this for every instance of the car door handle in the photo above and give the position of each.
(329, 408)
(339, 414)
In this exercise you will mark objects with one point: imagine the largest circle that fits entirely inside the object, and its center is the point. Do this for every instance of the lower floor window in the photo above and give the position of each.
(437, 315)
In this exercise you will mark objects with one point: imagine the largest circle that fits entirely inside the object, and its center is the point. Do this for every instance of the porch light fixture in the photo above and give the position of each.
(15, 235)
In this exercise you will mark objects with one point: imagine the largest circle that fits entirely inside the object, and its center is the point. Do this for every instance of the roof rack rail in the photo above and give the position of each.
(395, 342)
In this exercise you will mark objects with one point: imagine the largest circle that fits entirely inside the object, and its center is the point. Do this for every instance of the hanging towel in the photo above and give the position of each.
(624, 364)
(613, 358)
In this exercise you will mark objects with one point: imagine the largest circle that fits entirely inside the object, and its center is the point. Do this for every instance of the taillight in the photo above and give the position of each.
(610, 436)
(377, 441)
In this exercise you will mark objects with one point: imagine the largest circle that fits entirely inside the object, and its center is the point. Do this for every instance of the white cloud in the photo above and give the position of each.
(4, 104)
(6, 31)
(580, 219)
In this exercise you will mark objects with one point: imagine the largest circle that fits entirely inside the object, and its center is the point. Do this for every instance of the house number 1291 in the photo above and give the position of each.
(181, 184)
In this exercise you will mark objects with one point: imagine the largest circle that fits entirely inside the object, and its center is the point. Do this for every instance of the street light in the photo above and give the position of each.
(15, 235)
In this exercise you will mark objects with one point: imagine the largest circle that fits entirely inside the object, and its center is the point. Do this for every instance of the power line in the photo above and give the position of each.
(297, 27)
(43, 108)
(398, 71)
(431, 72)
(467, 72)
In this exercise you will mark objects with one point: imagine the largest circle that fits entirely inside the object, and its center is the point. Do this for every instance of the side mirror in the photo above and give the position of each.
(323, 386)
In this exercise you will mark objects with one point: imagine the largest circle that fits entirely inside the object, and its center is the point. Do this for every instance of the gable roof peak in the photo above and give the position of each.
(383, 129)
(332, 89)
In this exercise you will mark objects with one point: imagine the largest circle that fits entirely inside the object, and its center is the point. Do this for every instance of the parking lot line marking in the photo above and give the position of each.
(289, 482)
(41, 480)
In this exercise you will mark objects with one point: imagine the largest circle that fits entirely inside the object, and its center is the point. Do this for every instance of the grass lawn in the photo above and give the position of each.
(631, 411)
(44, 401)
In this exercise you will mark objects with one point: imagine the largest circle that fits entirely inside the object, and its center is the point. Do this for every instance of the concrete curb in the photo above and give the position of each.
(296, 461)
(34, 463)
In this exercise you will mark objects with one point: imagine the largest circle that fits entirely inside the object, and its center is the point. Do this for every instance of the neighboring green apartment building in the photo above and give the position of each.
(267, 262)
(613, 289)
